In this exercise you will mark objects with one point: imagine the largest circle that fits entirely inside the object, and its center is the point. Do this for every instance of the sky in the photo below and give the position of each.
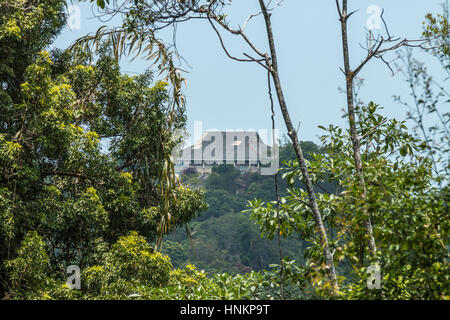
(225, 94)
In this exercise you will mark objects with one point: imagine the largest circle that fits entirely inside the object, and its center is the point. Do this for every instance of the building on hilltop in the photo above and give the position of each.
(243, 149)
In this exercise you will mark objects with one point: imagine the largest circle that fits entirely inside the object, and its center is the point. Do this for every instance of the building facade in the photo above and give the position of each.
(245, 150)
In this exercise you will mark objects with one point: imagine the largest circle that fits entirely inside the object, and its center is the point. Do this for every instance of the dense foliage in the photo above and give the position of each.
(223, 238)
(410, 213)
(87, 180)
(84, 152)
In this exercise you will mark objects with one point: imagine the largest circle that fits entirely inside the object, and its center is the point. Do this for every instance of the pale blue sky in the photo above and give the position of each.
(226, 94)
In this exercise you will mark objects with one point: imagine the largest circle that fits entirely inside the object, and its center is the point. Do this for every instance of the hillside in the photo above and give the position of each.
(223, 238)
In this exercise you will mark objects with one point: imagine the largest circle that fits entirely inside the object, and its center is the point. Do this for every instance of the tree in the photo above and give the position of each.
(409, 225)
(142, 20)
(223, 177)
(26, 29)
(84, 152)
(428, 93)
(223, 238)
(376, 48)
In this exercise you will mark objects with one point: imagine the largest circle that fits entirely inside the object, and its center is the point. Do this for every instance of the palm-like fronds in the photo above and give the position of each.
(128, 41)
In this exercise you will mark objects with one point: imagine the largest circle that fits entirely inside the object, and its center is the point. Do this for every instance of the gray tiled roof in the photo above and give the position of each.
(226, 146)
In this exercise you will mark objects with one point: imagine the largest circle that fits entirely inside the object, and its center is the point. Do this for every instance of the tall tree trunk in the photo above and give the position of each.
(273, 67)
(356, 142)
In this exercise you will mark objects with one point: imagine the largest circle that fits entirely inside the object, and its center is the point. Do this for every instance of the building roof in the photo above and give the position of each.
(217, 147)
